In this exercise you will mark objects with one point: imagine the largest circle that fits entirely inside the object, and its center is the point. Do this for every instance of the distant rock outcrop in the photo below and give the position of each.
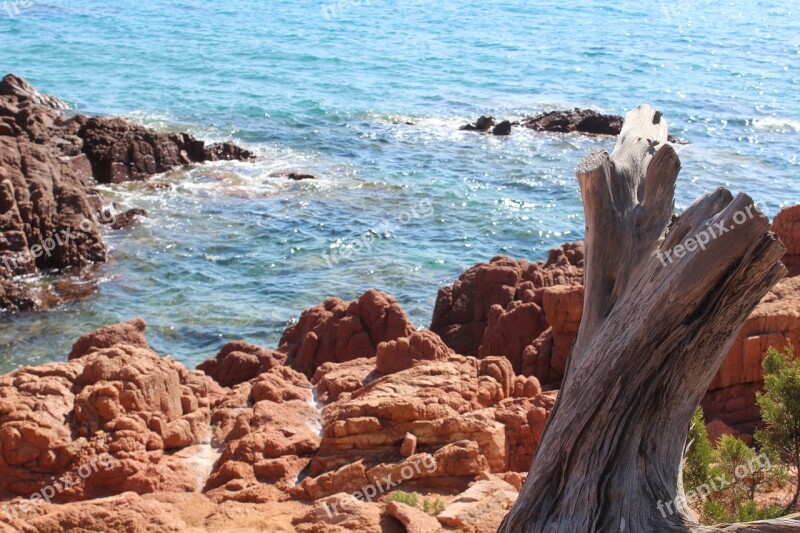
(576, 120)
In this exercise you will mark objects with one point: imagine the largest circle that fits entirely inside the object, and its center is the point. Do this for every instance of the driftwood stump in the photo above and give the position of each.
(664, 301)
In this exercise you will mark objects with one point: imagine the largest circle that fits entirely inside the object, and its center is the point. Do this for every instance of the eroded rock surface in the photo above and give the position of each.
(106, 418)
(336, 331)
(495, 308)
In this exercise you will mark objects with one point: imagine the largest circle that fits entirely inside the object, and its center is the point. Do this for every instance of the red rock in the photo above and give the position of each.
(339, 513)
(121, 150)
(12, 85)
(787, 226)
(482, 507)
(114, 410)
(336, 331)
(731, 396)
(414, 520)
(546, 357)
(238, 362)
(334, 380)
(265, 420)
(48, 203)
(401, 354)
(409, 446)
(716, 429)
(130, 333)
(462, 311)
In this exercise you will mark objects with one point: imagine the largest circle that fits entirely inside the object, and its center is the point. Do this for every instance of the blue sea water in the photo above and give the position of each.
(369, 98)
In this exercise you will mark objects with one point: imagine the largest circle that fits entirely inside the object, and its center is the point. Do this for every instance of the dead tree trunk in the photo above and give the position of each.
(654, 333)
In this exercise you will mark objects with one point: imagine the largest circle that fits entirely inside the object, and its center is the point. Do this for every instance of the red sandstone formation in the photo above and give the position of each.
(239, 361)
(262, 434)
(732, 395)
(787, 226)
(130, 333)
(107, 417)
(401, 354)
(464, 310)
(336, 331)
(536, 330)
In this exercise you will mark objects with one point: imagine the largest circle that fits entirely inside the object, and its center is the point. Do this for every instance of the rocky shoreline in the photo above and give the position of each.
(354, 400)
(311, 436)
(50, 208)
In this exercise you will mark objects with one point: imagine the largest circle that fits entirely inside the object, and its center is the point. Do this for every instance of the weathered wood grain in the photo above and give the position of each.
(653, 335)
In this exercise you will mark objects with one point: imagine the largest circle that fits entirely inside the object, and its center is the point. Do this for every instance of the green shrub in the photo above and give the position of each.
(408, 498)
(751, 512)
(780, 410)
(433, 507)
(697, 469)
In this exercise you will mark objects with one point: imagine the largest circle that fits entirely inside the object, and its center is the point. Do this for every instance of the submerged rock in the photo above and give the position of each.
(294, 176)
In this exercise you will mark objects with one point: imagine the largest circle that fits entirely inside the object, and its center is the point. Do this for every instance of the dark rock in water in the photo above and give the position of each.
(482, 124)
(50, 210)
(576, 120)
(504, 128)
(227, 152)
(128, 219)
(296, 176)
(122, 151)
(581, 121)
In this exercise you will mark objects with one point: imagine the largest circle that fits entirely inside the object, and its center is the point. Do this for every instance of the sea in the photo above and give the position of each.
(368, 96)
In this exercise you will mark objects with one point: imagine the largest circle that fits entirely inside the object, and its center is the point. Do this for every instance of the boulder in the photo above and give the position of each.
(787, 226)
(401, 354)
(484, 123)
(462, 312)
(130, 333)
(336, 331)
(414, 520)
(482, 507)
(128, 219)
(238, 362)
(339, 513)
(502, 129)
